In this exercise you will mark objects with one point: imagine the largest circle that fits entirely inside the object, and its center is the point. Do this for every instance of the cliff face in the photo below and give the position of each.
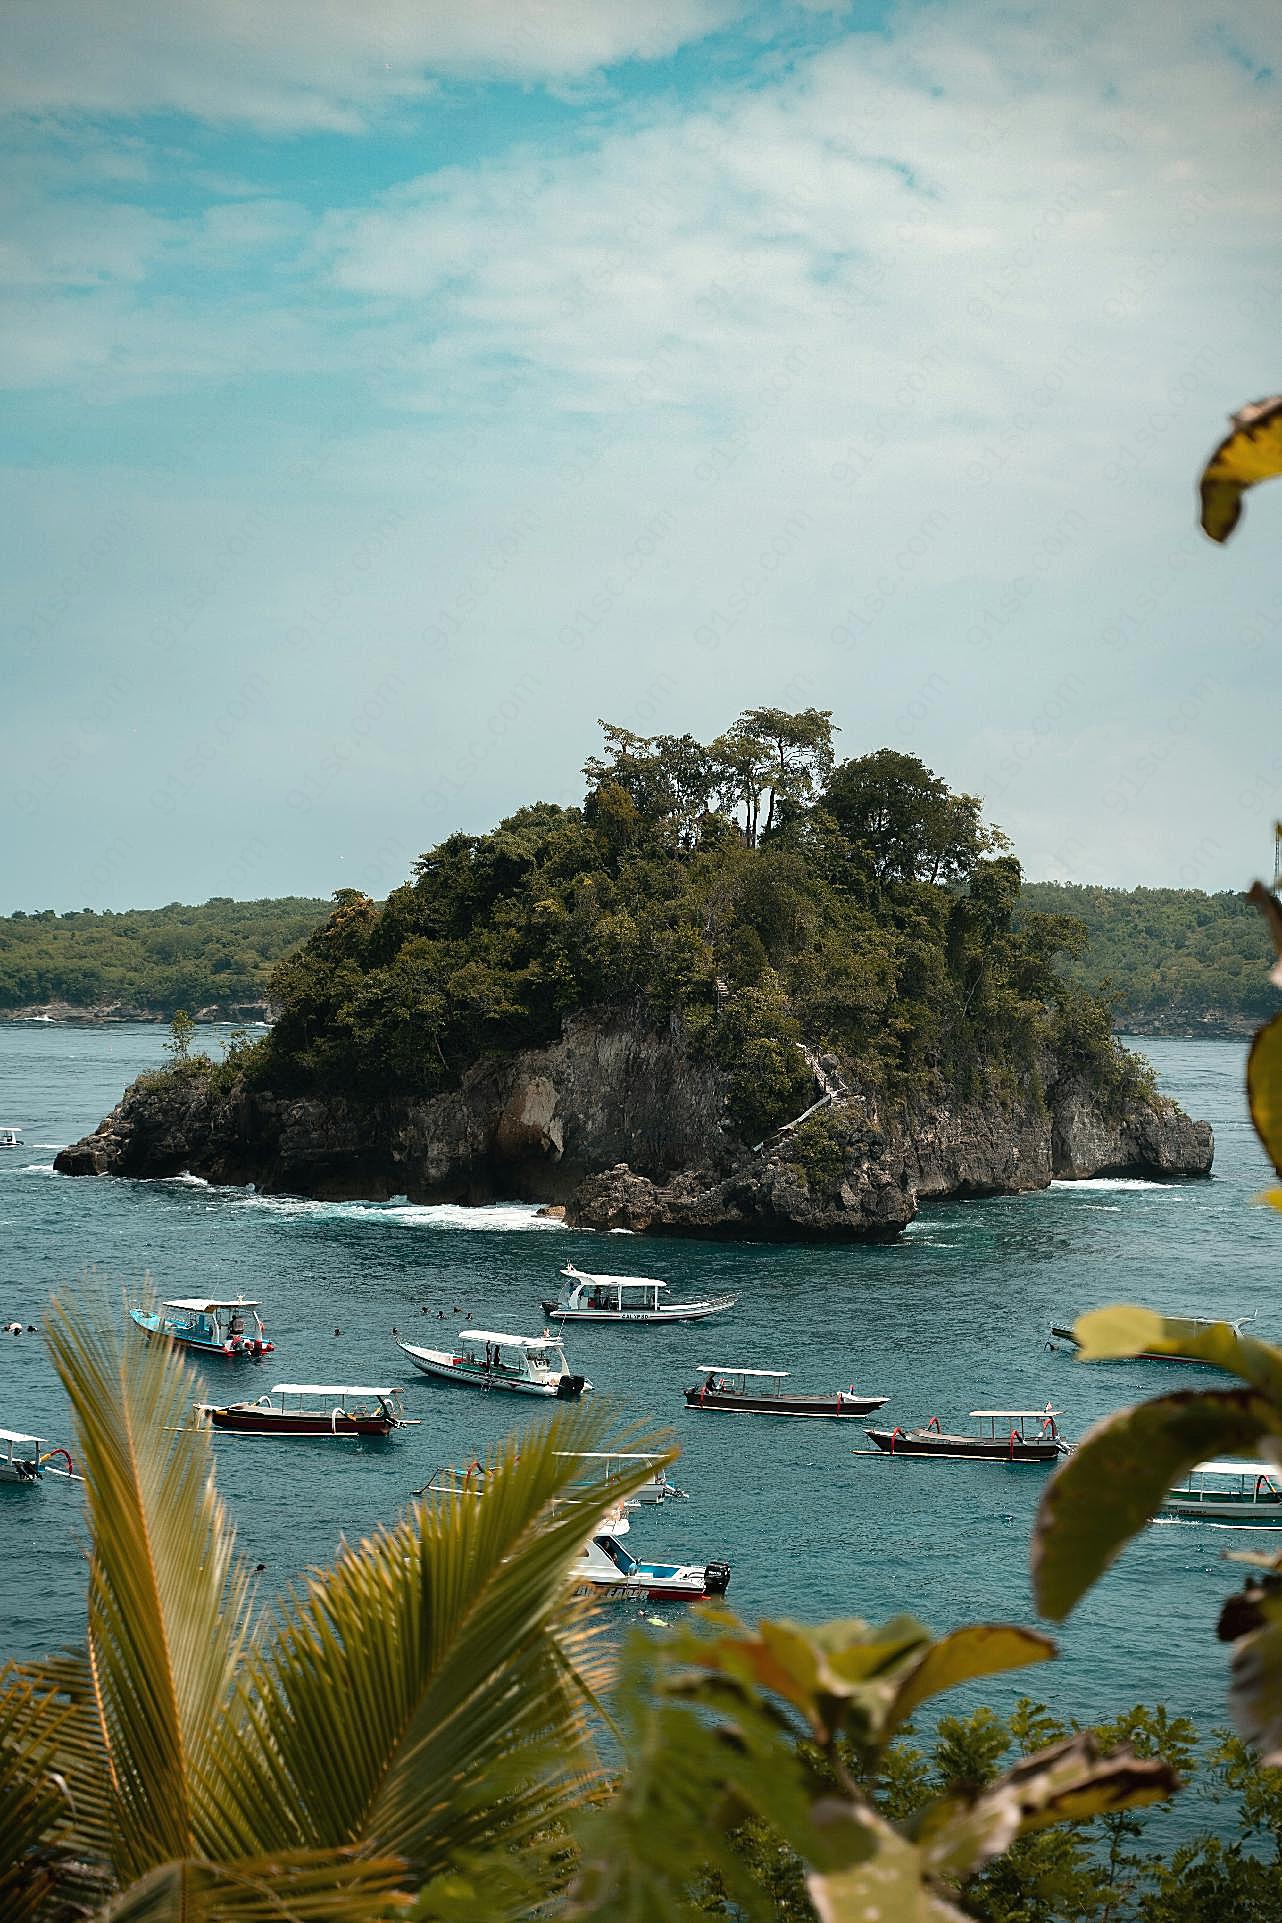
(627, 1128)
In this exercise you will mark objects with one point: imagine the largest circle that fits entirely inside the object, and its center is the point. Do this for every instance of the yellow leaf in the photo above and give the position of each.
(1264, 1088)
(1251, 453)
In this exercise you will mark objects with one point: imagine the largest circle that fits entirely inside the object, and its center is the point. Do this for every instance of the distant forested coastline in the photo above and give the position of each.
(1172, 961)
(146, 963)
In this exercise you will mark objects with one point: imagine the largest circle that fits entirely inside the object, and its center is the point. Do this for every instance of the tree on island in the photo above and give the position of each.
(181, 1030)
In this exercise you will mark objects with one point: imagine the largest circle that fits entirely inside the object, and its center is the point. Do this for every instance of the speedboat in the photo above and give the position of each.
(10, 1138)
(606, 1569)
(210, 1326)
(23, 1460)
(760, 1392)
(625, 1298)
(1003, 1440)
(1228, 1491)
(313, 1409)
(530, 1365)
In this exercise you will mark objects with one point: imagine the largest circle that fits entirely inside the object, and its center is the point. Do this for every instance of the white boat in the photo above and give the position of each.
(604, 1467)
(1228, 1491)
(10, 1138)
(529, 1365)
(625, 1298)
(23, 1460)
(609, 1571)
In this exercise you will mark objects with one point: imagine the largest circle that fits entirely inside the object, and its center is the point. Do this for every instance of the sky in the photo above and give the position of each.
(391, 392)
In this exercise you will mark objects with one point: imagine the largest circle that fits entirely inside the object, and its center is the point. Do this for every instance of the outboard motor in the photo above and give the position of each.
(569, 1388)
(716, 1578)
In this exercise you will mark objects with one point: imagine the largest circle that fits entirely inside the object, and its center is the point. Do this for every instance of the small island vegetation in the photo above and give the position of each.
(776, 903)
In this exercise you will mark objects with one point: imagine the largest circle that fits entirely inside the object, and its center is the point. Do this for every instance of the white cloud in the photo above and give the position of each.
(316, 64)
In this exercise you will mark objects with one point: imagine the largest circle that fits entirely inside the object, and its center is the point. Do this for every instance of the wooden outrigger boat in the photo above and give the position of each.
(758, 1392)
(1003, 1440)
(1229, 1491)
(313, 1409)
(1195, 1324)
(209, 1326)
(625, 1298)
(23, 1460)
(531, 1365)
(605, 1466)
(606, 1569)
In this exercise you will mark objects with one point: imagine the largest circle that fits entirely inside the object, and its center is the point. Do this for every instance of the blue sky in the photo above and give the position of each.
(390, 393)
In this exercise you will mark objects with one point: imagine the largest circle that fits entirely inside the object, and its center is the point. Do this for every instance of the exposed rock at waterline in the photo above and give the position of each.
(622, 1126)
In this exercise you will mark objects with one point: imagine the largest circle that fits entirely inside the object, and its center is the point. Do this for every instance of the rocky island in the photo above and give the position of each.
(743, 990)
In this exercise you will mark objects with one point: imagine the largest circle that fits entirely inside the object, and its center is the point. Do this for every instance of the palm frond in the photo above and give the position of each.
(33, 1795)
(168, 1598)
(308, 1887)
(427, 1694)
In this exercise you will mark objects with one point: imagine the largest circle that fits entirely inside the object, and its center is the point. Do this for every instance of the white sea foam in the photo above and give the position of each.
(503, 1216)
(186, 1181)
(1092, 1183)
(39, 1168)
(47, 1145)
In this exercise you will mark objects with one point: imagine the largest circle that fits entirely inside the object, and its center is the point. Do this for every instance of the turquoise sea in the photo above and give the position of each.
(955, 1316)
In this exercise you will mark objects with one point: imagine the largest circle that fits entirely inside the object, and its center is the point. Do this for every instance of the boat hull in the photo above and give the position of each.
(676, 1312)
(1265, 1514)
(924, 1443)
(230, 1350)
(273, 1422)
(443, 1368)
(833, 1408)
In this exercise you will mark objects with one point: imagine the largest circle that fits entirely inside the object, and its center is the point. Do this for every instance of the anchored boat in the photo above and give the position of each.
(10, 1138)
(23, 1460)
(531, 1365)
(1195, 1324)
(760, 1392)
(1001, 1436)
(605, 1466)
(313, 1409)
(625, 1298)
(607, 1569)
(211, 1327)
(1228, 1491)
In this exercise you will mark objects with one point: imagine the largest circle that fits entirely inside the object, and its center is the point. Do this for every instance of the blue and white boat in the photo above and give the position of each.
(209, 1326)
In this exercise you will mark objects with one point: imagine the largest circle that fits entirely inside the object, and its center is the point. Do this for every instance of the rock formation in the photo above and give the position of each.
(626, 1127)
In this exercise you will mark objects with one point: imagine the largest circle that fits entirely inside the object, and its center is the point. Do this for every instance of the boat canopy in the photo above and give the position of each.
(12, 1435)
(605, 1455)
(614, 1281)
(1011, 1414)
(724, 1368)
(512, 1341)
(328, 1389)
(1229, 1468)
(204, 1305)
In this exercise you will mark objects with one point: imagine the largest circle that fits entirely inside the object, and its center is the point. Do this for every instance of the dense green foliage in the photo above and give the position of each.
(154, 959)
(752, 890)
(1166, 956)
(1109, 1869)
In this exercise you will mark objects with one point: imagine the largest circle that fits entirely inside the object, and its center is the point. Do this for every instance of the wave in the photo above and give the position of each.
(502, 1216)
(1110, 1183)
(39, 1168)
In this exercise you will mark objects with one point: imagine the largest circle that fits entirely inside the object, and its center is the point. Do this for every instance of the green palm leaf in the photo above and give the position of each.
(427, 1694)
(168, 1598)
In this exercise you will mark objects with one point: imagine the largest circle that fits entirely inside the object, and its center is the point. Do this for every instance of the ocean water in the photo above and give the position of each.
(955, 1316)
